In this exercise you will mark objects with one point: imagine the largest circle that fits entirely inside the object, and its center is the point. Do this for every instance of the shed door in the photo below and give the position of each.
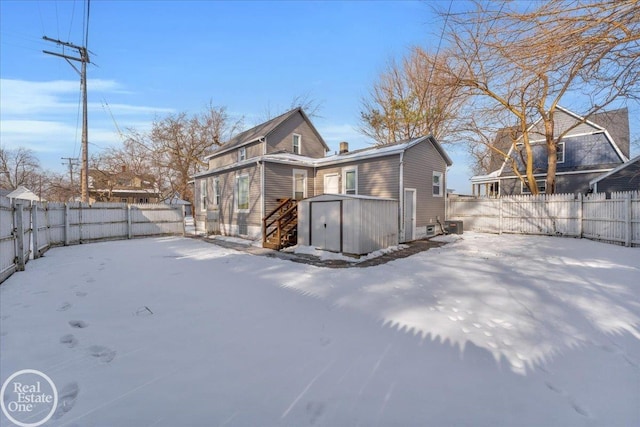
(331, 184)
(409, 214)
(325, 225)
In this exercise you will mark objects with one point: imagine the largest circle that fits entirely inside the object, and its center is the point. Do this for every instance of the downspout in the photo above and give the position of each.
(261, 165)
(401, 199)
(446, 194)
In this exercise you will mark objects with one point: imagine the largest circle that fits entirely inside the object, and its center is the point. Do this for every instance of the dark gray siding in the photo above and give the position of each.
(281, 139)
(420, 161)
(565, 184)
(626, 179)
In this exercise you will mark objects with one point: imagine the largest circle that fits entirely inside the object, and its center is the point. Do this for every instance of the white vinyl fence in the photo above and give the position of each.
(614, 220)
(28, 228)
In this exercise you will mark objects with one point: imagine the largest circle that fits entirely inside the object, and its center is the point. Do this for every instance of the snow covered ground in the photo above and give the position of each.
(485, 331)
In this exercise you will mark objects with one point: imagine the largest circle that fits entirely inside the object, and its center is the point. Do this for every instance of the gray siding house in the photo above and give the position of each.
(266, 169)
(589, 149)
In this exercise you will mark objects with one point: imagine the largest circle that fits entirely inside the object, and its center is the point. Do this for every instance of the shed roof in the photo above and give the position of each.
(23, 193)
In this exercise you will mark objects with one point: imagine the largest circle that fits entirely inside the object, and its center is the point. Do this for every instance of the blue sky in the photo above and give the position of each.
(153, 58)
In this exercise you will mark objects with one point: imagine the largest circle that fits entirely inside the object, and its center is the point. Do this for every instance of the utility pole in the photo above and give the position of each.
(71, 161)
(84, 60)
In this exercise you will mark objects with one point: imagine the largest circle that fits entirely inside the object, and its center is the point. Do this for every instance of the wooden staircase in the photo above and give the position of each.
(280, 227)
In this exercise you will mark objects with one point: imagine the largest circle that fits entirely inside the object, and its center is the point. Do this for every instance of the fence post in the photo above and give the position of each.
(500, 215)
(34, 229)
(20, 261)
(580, 213)
(129, 230)
(627, 219)
(184, 215)
(67, 232)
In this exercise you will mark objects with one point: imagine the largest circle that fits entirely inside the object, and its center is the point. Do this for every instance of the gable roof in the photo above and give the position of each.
(613, 123)
(365, 153)
(614, 170)
(23, 193)
(263, 130)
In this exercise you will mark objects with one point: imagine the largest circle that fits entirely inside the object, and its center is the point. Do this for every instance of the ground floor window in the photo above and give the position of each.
(350, 181)
(243, 192)
(541, 183)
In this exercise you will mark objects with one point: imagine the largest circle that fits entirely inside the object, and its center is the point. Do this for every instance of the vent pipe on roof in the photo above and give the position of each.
(344, 147)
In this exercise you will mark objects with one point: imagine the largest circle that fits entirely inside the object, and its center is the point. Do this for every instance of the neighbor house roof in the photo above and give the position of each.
(263, 130)
(614, 170)
(365, 153)
(23, 193)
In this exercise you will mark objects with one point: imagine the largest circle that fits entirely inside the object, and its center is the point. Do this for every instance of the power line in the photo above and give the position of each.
(83, 58)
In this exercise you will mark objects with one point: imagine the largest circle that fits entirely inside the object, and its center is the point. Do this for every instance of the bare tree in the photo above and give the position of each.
(19, 167)
(175, 148)
(525, 62)
(306, 101)
(411, 99)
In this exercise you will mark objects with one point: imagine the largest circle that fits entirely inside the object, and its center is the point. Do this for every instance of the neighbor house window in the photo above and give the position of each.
(242, 154)
(296, 143)
(243, 192)
(299, 184)
(216, 192)
(203, 195)
(350, 181)
(541, 183)
(437, 184)
(560, 152)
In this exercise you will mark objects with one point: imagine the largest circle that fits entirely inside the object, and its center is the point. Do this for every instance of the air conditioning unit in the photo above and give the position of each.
(453, 227)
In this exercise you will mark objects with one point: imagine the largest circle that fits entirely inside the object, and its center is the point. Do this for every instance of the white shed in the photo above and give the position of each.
(348, 223)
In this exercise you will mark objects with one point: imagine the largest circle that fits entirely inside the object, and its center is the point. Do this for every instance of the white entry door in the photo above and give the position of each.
(409, 214)
(331, 184)
(325, 225)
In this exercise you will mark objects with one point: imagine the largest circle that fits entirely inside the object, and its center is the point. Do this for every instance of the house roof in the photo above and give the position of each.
(23, 193)
(614, 124)
(262, 131)
(614, 170)
(365, 153)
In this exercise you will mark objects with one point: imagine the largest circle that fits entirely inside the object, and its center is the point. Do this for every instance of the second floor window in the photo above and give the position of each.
(296, 144)
(560, 152)
(242, 154)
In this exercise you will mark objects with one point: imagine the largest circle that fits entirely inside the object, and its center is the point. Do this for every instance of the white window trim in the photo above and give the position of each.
(344, 178)
(524, 189)
(203, 195)
(304, 188)
(441, 176)
(561, 149)
(293, 137)
(216, 192)
(237, 201)
(242, 154)
(324, 181)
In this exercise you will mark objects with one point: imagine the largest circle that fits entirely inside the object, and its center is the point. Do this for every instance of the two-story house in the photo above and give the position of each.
(589, 149)
(123, 186)
(284, 158)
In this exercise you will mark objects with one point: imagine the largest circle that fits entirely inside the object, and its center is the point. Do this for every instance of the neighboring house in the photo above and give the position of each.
(123, 186)
(23, 193)
(250, 176)
(592, 147)
(177, 201)
(625, 177)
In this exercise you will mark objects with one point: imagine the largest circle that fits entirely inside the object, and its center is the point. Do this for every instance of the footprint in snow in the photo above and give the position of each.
(81, 294)
(67, 396)
(78, 324)
(64, 306)
(104, 354)
(69, 340)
